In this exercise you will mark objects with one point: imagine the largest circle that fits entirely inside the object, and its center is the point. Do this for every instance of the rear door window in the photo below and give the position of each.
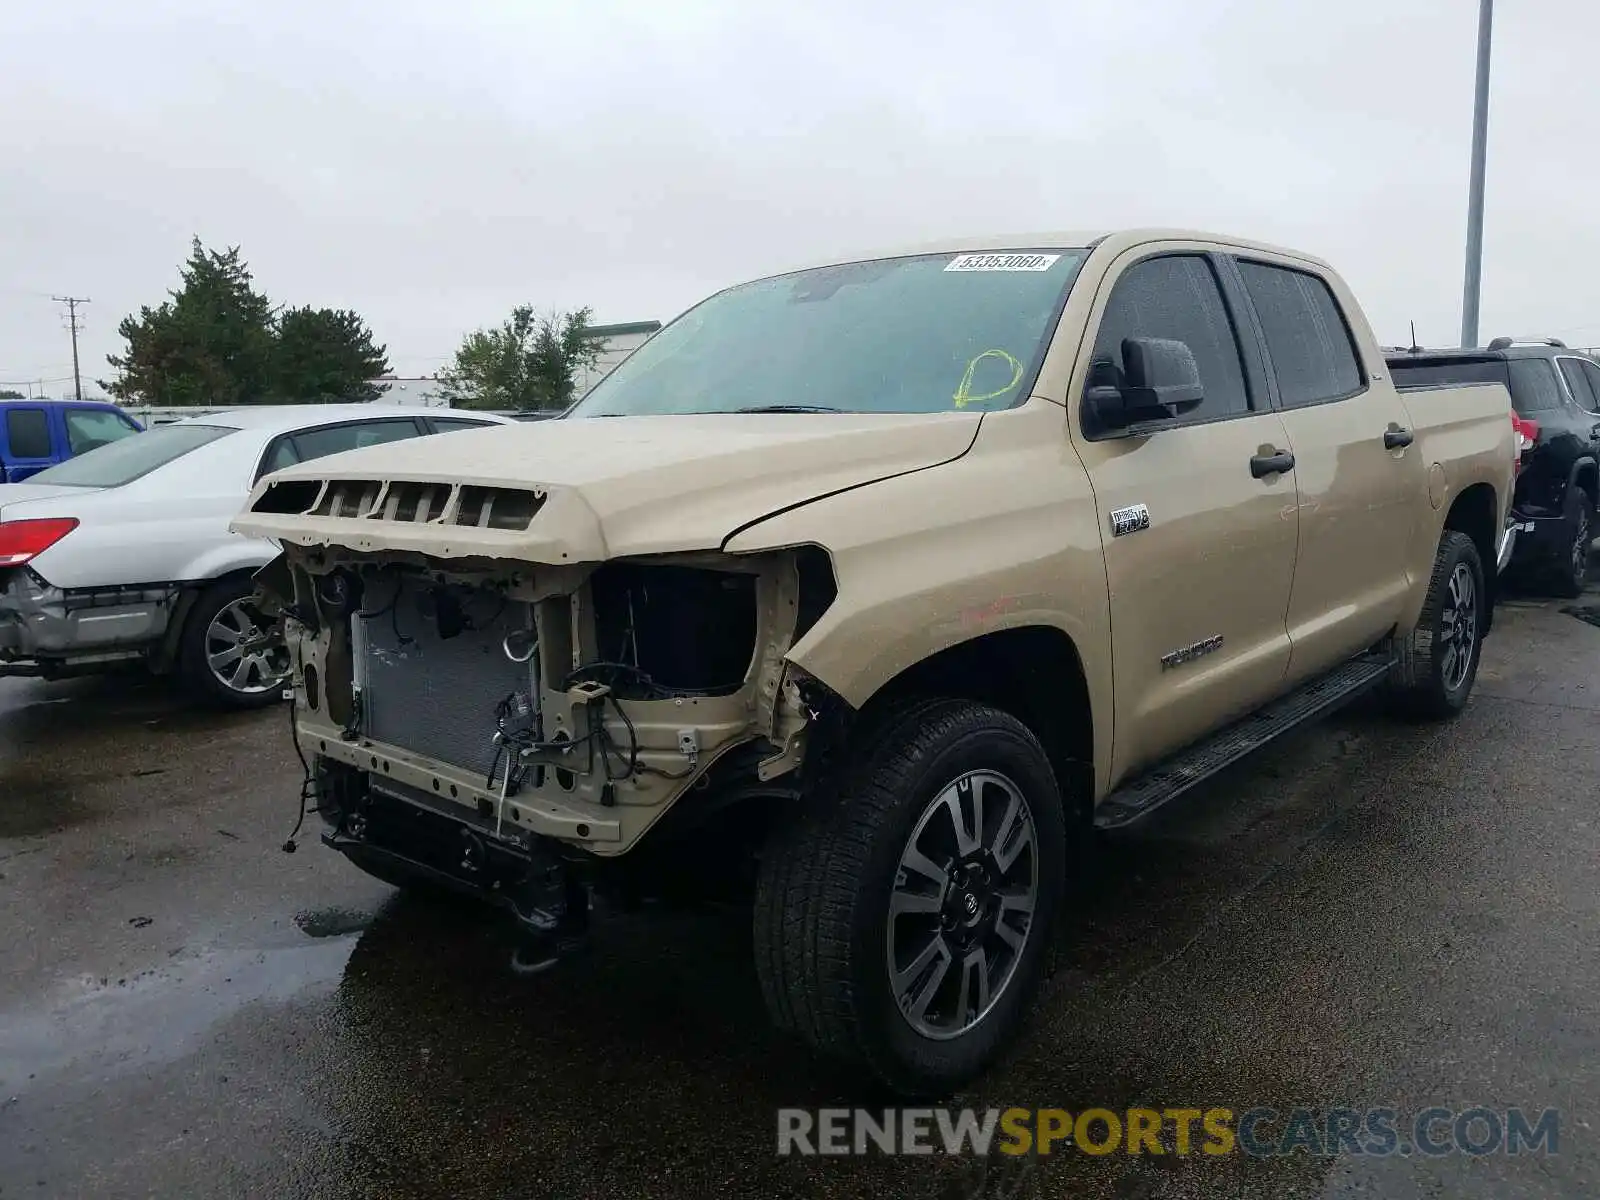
(90, 428)
(291, 448)
(311, 444)
(28, 433)
(1534, 386)
(1572, 372)
(446, 424)
(1308, 338)
(335, 439)
(279, 455)
(1591, 372)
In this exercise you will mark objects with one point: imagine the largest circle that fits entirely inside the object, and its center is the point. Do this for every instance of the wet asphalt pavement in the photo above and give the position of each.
(1367, 915)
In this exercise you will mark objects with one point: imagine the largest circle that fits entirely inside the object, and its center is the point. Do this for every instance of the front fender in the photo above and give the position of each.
(1004, 537)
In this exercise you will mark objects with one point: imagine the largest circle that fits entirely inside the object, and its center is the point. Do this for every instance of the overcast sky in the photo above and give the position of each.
(430, 165)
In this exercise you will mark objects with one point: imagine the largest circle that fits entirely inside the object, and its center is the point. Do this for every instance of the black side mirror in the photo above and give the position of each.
(1162, 375)
(1160, 380)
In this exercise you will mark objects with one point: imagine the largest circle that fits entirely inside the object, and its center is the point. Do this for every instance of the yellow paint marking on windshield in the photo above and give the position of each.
(964, 396)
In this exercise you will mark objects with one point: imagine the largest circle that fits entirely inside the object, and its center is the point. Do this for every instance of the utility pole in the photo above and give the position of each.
(72, 303)
(1480, 137)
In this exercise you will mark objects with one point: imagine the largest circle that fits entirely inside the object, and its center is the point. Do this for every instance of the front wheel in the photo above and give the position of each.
(902, 919)
(1437, 663)
(232, 655)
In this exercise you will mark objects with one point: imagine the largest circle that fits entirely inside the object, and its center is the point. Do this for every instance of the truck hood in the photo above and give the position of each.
(601, 487)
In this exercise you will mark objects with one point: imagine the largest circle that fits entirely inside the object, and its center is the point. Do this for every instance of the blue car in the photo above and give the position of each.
(35, 434)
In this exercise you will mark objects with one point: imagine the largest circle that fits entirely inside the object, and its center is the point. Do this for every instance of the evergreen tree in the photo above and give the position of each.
(210, 343)
(323, 354)
(218, 342)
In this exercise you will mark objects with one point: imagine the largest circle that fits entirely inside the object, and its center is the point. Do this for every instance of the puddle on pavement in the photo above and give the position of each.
(112, 1024)
(1584, 612)
(332, 921)
(31, 807)
(658, 1048)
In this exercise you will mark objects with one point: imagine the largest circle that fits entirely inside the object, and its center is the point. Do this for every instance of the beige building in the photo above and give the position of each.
(619, 341)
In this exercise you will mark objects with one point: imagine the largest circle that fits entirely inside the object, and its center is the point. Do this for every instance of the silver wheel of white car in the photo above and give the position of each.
(232, 653)
(246, 651)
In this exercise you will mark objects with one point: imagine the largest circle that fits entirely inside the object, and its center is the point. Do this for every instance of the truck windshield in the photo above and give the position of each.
(125, 460)
(928, 333)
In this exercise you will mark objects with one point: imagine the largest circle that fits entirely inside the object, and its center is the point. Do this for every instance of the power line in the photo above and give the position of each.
(72, 303)
(36, 385)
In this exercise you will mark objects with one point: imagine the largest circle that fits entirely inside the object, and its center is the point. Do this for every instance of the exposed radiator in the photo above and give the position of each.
(437, 696)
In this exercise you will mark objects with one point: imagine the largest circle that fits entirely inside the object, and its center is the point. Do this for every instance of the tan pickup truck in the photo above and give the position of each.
(880, 586)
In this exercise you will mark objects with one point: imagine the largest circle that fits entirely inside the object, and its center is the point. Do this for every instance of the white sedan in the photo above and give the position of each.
(123, 554)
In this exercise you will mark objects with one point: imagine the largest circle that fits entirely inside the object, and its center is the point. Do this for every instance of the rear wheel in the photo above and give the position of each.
(1437, 663)
(232, 655)
(1571, 570)
(902, 919)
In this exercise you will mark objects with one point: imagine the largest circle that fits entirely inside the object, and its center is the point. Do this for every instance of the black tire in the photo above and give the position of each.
(822, 910)
(194, 667)
(1570, 572)
(1427, 682)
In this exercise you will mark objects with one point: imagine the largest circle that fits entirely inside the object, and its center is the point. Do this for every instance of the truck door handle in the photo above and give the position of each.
(1397, 439)
(1262, 465)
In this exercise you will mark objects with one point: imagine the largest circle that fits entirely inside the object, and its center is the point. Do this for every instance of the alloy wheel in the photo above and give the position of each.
(1580, 548)
(245, 651)
(962, 906)
(1459, 626)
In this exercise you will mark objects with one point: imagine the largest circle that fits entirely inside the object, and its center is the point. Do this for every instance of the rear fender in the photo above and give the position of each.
(234, 555)
(234, 558)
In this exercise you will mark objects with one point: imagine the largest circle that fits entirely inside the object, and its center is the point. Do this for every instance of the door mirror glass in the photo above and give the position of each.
(1159, 380)
(1162, 376)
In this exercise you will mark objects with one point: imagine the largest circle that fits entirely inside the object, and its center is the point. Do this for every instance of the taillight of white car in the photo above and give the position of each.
(23, 541)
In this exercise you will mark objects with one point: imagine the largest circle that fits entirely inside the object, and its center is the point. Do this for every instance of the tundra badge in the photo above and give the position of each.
(1129, 520)
(1175, 658)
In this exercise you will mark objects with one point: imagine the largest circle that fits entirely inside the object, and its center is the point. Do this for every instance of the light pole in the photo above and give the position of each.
(1480, 137)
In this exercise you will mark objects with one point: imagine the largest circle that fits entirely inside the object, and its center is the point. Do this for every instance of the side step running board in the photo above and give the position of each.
(1138, 798)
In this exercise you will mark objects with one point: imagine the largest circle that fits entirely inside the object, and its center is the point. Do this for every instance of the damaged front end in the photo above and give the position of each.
(569, 702)
(508, 727)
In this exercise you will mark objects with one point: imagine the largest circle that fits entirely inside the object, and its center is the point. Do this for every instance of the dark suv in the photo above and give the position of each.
(1556, 394)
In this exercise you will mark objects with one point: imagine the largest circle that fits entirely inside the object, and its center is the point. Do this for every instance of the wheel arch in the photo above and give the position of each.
(1476, 513)
(1034, 673)
(1585, 474)
(164, 658)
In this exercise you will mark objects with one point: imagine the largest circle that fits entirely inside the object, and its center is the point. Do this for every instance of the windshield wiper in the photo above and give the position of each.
(788, 408)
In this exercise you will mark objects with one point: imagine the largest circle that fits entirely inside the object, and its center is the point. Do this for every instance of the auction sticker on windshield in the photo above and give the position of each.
(1002, 262)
